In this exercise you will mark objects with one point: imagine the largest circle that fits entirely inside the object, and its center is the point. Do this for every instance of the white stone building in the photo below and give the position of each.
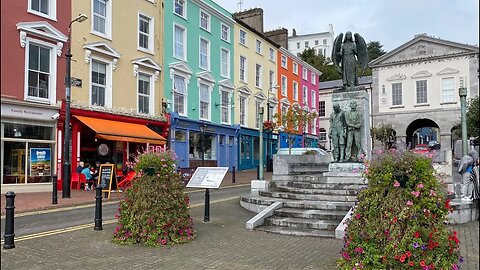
(417, 85)
(322, 42)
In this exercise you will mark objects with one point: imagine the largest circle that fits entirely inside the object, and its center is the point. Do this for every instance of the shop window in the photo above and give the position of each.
(245, 149)
(23, 131)
(209, 144)
(14, 162)
(180, 136)
(221, 139)
(256, 148)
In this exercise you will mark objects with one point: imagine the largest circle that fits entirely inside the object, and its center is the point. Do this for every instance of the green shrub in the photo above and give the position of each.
(310, 152)
(155, 209)
(399, 221)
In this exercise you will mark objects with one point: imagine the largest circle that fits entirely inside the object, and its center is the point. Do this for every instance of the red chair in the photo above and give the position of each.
(127, 181)
(75, 179)
(82, 180)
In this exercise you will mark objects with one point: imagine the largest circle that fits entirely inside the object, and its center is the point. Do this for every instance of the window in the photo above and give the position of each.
(295, 68)
(204, 54)
(225, 107)
(321, 109)
(179, 43)
(204, 102)
(271, 55)
(258, 104)
(225, 63)
(145, 32)
(324, 41)
(204, 20)
(43, 8)
(271, 81)
(144, 94)
(179, 8)
(284, 85)
(179, 91)
(323, 135)
(314, 79)
(243, 69)
(258, 46)
(448, 90)
(243, 110)
(180, 136)
(295, 91)
(258, 75)
(243, 37)
(101, 14)
(313, 126)
(314, 99)
(298, 45)
(396, 94)
(284, 109)
(320, 52)
(99, 83)
(284, 61)
(304, 94)
(316, 42)
(306, 44)
(422, 92)
(225, 33)
(304, 74)
(39, 71)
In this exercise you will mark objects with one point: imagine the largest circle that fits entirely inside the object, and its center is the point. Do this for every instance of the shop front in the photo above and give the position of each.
(297, 140)
(249, 148)
(27, 145)
(310, 141)
(111, 138)
(218, 141)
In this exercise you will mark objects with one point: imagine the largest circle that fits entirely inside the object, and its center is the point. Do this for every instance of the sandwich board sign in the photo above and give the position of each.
(207, 177)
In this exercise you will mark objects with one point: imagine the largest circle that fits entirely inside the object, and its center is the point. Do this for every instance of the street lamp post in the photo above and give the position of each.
(66, 140)
(206, 216)
(462, 91)
(269, 117)
(260, 162)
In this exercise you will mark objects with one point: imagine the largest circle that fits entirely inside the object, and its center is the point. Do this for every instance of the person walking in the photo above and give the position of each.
(465, 168)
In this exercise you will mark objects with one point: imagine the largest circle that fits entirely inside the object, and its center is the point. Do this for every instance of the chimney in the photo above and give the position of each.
(279, 36)
(294, 32)
(252, 17)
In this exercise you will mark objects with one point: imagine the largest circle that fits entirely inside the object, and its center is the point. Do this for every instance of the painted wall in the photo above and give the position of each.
(124, 39)
(260, 94)
(13, 55)
(191, 23)
(312, 85)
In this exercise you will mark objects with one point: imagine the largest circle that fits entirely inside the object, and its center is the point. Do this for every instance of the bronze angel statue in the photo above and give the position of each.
(348, 55)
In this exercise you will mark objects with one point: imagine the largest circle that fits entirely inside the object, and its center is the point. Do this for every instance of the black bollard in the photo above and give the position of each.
(54, 192)
(98, 208)
(9, 220)
(233, 174)
(206, 216)
(258, 172)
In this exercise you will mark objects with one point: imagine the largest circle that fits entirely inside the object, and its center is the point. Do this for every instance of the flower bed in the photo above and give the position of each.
(399, 221)
(155, 209)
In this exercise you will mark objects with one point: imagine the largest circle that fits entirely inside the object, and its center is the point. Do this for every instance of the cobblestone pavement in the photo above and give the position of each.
(222, 244)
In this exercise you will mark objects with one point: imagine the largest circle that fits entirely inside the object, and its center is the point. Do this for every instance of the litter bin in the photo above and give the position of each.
(269, 164)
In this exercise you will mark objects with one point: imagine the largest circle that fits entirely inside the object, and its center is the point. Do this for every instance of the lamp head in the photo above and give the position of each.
(81, 18)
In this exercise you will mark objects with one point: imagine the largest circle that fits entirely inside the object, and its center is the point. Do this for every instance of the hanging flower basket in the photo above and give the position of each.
(269, 125)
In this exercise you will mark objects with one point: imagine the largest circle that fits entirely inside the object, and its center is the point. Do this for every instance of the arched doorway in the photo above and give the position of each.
(422, 131)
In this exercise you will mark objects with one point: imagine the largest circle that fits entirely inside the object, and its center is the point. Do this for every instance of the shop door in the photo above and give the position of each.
(231, 152)
(180, 146)
(222, 152)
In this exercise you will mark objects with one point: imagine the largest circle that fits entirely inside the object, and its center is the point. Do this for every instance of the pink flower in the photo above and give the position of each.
(416, 193)
(420, 185)
(396, 184)
(432, 193)
(409, 203)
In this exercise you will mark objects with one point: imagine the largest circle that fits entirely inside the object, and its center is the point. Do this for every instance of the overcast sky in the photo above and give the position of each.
(388, 21)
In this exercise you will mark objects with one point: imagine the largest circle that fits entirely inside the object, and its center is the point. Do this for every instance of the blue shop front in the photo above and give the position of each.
(219, 143)
(249, 148)
(297, 140)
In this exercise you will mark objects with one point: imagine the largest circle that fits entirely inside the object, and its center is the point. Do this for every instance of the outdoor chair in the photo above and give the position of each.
(75, 179)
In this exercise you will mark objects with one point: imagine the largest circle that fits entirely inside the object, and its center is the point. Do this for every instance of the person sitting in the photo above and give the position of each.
(88, 176)
(95, 170)
(80, 167)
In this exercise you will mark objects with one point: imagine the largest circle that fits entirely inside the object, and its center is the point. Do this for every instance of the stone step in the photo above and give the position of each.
(309, 197)
(311, 213)
(318, 191)
(303, 223)
(302, 204)
(326, 186)
(309, 168)
(297, 231)
(320, 179)
(299, 177)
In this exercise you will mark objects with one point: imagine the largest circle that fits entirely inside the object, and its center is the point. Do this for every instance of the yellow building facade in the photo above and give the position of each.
(255, 76)
(117, 53)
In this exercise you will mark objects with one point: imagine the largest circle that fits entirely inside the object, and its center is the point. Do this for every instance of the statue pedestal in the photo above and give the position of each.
(343, 96)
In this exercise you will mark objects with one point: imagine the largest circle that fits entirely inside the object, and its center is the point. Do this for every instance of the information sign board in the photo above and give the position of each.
(207, 177)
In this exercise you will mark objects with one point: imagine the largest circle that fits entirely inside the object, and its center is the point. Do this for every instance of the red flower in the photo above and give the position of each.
(402, 259)
(422, 263)
(417, 234)
(409, 254)
(411, 263)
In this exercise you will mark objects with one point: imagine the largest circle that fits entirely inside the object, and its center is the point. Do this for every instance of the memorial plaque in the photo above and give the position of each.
(207, 177)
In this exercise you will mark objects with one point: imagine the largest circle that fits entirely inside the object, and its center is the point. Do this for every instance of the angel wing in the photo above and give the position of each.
(362, 52)
(337, 47)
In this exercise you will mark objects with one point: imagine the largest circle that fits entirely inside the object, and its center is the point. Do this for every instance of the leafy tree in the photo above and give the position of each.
(321, 63)
(375, 50)
(293, 122)
(384, 133)
(473, 115)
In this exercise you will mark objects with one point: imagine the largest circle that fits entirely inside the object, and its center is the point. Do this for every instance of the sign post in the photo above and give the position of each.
(207, 178)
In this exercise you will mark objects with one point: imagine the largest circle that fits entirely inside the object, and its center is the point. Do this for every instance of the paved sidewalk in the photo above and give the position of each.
(222, 244)
(27, 202)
